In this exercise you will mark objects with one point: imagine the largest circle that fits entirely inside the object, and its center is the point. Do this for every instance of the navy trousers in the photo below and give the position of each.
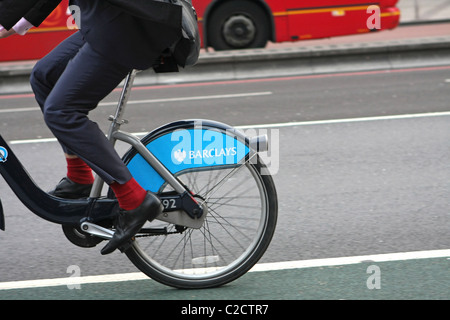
(70, 82)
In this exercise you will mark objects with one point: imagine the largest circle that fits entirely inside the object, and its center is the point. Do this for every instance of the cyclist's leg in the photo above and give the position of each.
(86, 80)
(47, 71)
(45, 74)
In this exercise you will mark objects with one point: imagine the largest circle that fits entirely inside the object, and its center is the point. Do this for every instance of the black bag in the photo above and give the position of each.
(185, 51)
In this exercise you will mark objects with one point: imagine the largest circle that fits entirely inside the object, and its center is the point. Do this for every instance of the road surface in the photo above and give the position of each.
(361, 165)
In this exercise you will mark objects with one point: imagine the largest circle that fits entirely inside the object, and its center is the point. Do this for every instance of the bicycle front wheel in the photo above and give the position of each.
(240, 208)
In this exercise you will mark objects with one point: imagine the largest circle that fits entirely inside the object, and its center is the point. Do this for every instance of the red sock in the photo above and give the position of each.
(130, 195)
(78, 171)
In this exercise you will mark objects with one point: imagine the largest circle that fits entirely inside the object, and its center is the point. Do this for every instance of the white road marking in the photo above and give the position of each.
(401, 256)
(183, 99)
(13, 110)
(149, 101)
(349, 120)
(292, 124)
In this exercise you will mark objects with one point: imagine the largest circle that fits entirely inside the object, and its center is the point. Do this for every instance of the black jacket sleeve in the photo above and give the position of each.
(35, 11)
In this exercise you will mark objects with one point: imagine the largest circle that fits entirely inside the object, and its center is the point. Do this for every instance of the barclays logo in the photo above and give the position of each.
(179, 155)
(3, 154)
(213, 153)
(217, 154)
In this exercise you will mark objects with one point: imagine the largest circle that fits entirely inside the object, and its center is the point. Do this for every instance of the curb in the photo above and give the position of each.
(310, 60)
(291, 61)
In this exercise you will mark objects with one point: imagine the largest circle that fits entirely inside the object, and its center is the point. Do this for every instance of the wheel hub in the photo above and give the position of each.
(239, 31)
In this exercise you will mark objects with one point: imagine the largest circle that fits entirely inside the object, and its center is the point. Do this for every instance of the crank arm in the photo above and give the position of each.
(107, 234)
(97, 230)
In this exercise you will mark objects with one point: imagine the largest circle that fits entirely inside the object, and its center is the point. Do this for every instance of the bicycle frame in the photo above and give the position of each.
(57, 210)
(87, 212)
(92, 209)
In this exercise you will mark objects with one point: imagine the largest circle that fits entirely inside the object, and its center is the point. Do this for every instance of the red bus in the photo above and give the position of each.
(235, 24)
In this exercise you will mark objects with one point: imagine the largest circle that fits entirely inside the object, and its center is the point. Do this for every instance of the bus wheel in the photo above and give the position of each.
(238, 24)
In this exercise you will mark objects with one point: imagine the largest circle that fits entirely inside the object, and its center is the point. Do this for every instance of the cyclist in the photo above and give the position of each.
(115, 37)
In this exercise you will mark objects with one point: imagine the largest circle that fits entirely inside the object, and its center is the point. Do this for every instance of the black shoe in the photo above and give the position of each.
(68, 189)
(130, 222)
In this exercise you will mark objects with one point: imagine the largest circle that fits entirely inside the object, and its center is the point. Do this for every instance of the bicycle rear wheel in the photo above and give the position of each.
(240, 214)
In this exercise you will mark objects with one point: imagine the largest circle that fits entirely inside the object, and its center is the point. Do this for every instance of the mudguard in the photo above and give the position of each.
(188, 145)
(2, 217)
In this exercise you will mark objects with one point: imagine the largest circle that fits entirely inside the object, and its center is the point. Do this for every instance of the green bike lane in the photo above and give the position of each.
(369, 280)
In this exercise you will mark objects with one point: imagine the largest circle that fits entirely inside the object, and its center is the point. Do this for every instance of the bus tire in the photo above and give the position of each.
(238, 24)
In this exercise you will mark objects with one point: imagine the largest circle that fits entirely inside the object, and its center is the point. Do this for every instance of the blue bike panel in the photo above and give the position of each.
(187, 149)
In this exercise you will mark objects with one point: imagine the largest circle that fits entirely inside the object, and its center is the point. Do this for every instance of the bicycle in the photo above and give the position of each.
(219, 214)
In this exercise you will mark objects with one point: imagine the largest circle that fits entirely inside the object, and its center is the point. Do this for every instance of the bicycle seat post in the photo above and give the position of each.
(117, 118)
(116, 121)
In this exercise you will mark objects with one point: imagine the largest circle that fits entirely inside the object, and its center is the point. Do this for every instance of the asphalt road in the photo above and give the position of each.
(366, 184)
